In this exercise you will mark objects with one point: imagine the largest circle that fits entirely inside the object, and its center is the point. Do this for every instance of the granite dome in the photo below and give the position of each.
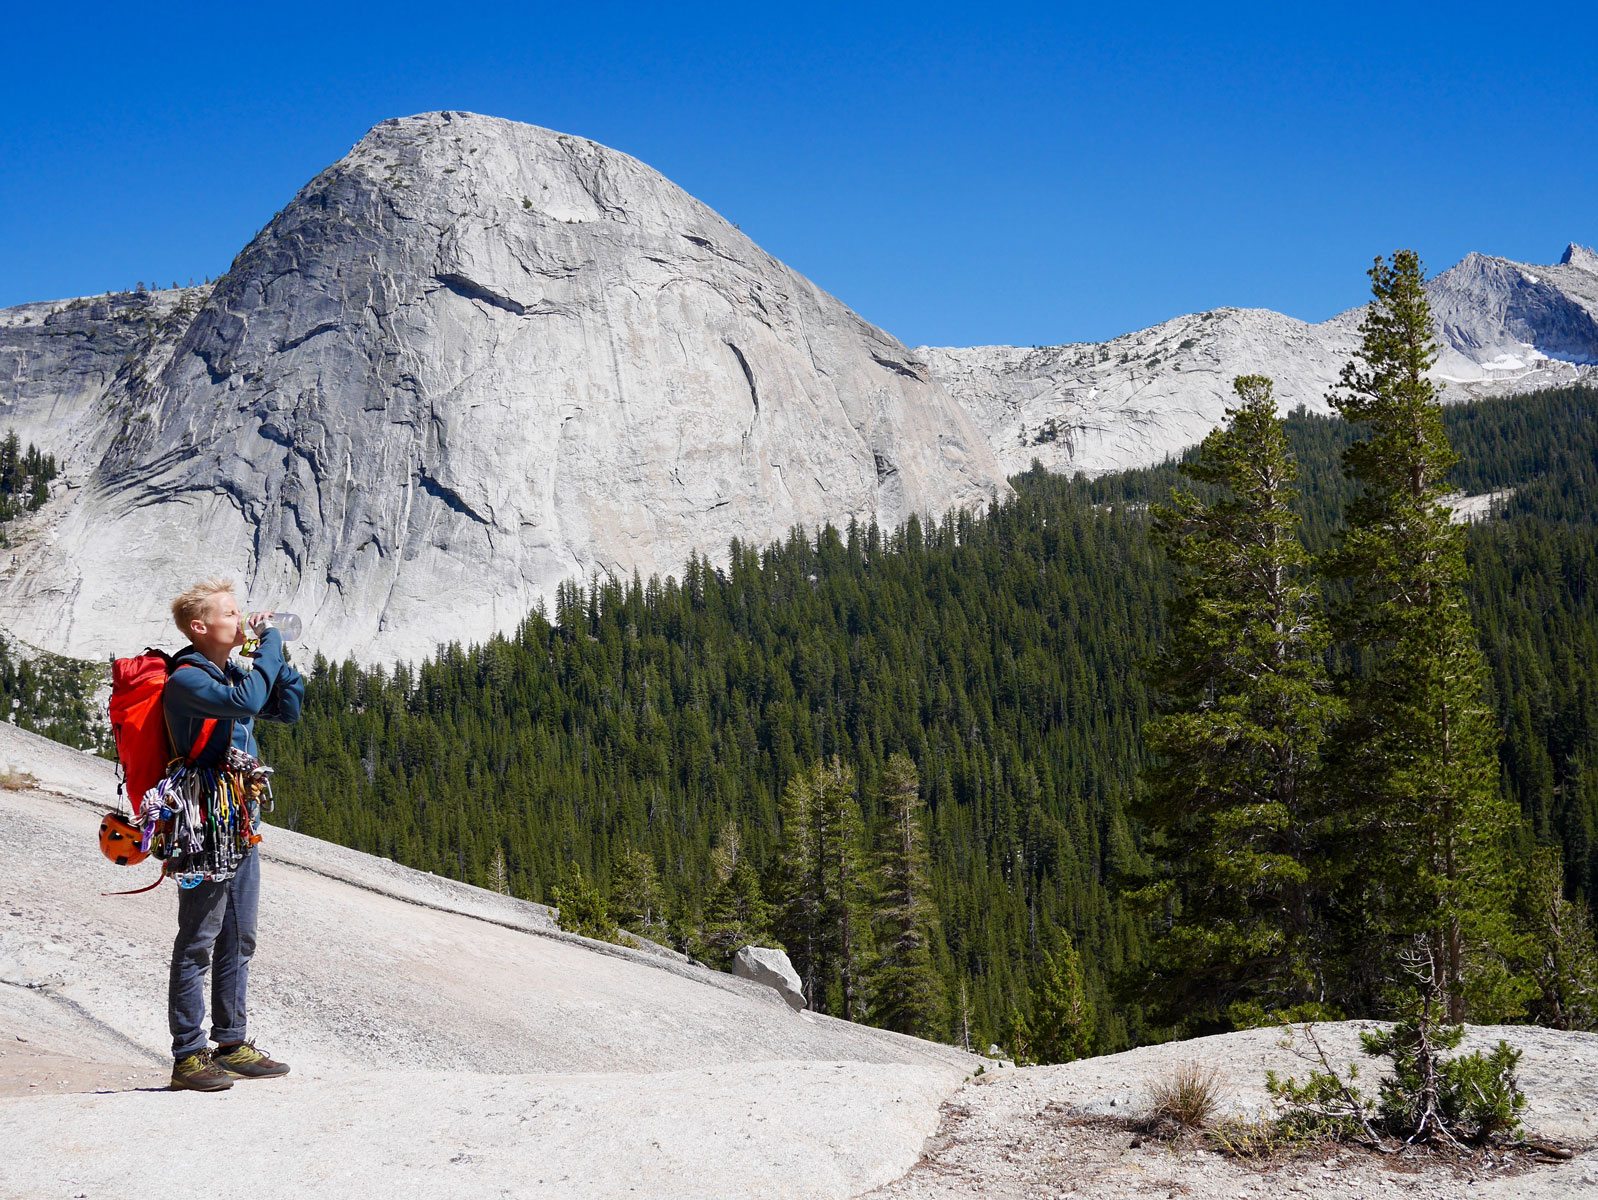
(470, 360)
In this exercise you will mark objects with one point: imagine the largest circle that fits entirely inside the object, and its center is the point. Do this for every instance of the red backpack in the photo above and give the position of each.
(138, 722)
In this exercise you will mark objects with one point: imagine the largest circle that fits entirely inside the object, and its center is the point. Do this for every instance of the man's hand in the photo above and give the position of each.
(258, 624)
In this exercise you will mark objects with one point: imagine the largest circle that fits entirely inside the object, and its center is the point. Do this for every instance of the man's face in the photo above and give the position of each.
(224, 624)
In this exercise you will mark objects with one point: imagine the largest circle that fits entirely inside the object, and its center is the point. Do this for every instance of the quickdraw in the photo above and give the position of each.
(204, 820)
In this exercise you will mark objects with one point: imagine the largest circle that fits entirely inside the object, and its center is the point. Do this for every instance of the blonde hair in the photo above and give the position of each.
(195, 603)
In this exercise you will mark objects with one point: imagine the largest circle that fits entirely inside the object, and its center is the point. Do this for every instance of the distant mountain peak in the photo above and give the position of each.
(1580, 256)
(1501, 326)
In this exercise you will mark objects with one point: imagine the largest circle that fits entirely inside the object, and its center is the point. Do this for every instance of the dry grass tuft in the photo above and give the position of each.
(1186, 1097)
(1255, 1140)
(16, 781)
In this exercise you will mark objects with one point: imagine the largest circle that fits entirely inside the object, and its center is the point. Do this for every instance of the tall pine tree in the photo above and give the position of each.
(1063, 1019)
(636, 898)
(908, 994)
(822, 918)
(1245, 707)
(737, 916)
(1425, 827)
(1558, 945)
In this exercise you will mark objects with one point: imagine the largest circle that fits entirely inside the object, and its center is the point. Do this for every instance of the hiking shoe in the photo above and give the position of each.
(244, 1059)
(197, 1073)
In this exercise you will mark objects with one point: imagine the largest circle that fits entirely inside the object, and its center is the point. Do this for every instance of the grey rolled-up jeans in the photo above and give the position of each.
(216, 929)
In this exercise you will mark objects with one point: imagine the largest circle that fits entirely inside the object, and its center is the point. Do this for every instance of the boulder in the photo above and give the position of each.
(772, 968)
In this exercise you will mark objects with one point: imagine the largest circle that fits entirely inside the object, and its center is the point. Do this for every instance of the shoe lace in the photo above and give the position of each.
(244, 1052)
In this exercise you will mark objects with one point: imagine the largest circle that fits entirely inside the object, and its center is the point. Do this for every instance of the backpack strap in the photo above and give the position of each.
(207, 726)
(202, 738)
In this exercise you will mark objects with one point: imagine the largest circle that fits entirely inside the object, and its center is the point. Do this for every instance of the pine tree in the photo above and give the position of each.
(1245, 709)
(498, 877)
(909, 996)
(844, 923)
(738, 916)
(582, 909)
(1560, 946)
(636, 899)
(822, 886)
(962, 1017)
(1425, 826)
(1063, 1019)
(799, 882)
(1018, 1038)
(727, 852)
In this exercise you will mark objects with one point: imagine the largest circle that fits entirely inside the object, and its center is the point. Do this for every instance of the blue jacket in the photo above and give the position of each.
(271, 689)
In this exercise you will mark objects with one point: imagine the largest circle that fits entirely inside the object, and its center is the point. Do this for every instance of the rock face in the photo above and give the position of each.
(1135, 400)
(66, 367)
(470, 360)
(1502, 321)
(772, 968)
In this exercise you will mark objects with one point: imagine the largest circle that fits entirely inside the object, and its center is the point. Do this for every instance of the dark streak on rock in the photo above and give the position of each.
(317, 331)
(449, 496)
(472, 290)
(909, 370)
(749, 376)
(217, 376)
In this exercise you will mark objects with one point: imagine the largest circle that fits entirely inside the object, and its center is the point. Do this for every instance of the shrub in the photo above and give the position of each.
(1252, 1139)
(1325, 1106)
(1426, 1099)
(1472, 1098)
(1487, 1093)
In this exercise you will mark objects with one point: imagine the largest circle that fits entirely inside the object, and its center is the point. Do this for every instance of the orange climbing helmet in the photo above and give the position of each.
(119, 840)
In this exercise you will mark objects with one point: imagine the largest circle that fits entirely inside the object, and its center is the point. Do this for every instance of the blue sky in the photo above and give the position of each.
(958, 175)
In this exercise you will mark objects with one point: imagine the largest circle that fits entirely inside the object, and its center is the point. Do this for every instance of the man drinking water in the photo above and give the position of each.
(215, 795)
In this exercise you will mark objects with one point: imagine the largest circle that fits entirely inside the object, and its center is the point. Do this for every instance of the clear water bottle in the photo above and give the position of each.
(286, 623)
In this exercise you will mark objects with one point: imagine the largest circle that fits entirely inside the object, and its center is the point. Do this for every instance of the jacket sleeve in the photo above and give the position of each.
(209, 697)
(287, 698)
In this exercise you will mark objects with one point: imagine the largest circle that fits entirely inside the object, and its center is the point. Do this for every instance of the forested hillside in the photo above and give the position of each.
(1001, 654)
(1006, 654)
